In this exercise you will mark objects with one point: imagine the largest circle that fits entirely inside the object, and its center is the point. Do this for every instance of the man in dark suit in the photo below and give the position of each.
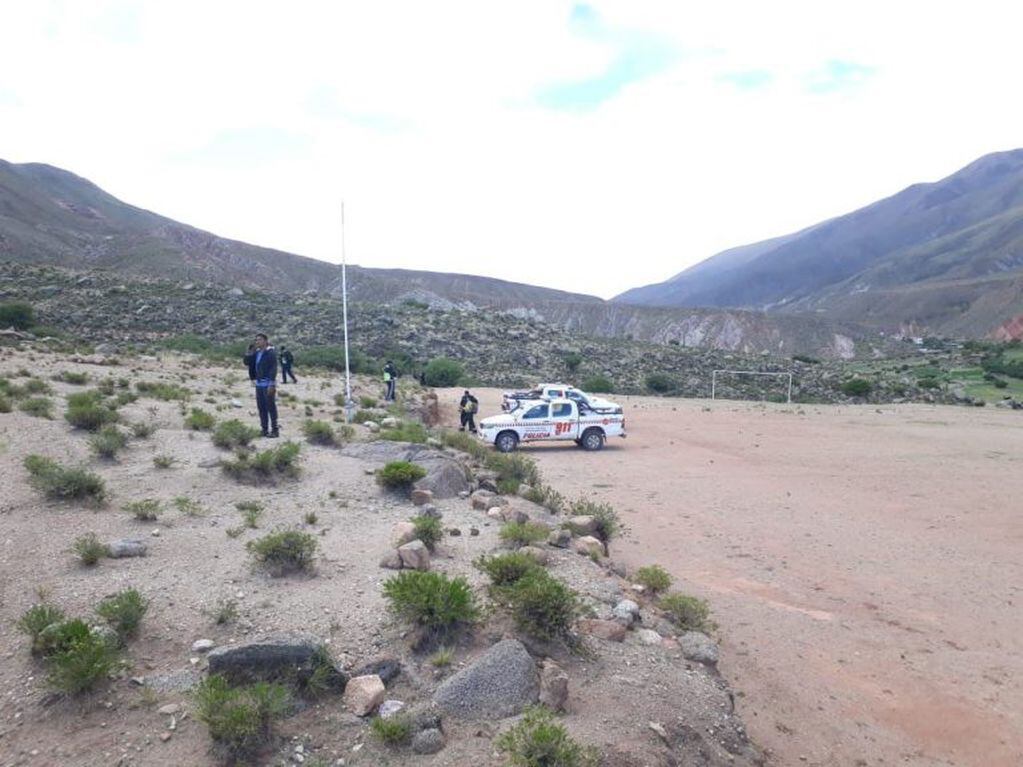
(262, 362)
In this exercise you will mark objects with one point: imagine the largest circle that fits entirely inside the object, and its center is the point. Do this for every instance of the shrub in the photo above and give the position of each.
(394, 731)
(929, 383)
(539, 741)
(124, 612)
(88, 413)
(431, 601)
(319, 433)
(199, 420)
(856, 387)
(572, 360)
(59, 636)
(82, 661)
(400, 475)
(37, 386)
(506, 569)
(233, 434)
(442, 658)
(543, 606)
(266, 466)
(40, 407)
(805, 359)
(443, 372)
(654, 577)
(89, 549)
(513, 468)
(224, 611)
(17, 315)
(686, 612)
(659, 383)
(163, 461)
(508, 486)
(187, 506)
(36, 620)
(240, 719)
(406, 431)
(428, 530)
(146, 510)
(143, 430)
(71, 377)
(161, 391)
(252, 512)
(108, 441)
(5, 404)
(467, 443)
(547, 496)
(60, 482)
(608, 522)
(598, 384)
(364, 401)
(284, 552)
(523, 533)
(361, 416)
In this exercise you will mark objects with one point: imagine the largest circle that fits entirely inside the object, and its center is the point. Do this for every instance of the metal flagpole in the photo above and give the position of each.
(349, 404)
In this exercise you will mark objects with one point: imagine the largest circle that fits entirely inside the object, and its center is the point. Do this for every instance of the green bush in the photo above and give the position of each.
(543, 606)
(36, 620)
(88, 413)
(512, 467)
(146, 510)
(598, 384)
(506, 569)
(364, 401)
(431, 601)
(163, 461)
(59, 636)
(929, 383)
(266, 466)
(40, 407)
(71, 377)
(537, 740)
(400, 475)
(240, 720)
(233, 434)
(395, 731)
(17, 315)
(124, 612)
(362, 416)
(546, 496)
(108, 441)
(252, 512)
(467, 443)
(89, 549)
(660, 383)
(82, 661)
(608, 522)
(319, 433)
(62, 483)
(654, 577)
(443, 372)
(428, 530)
(805, 359)
(5, 404)
(199, 420)
(686, 612)
(284, 552)
(856, 387)
(143, 430)
(406, 431)
(523, 533)
(161, 391)
(1000, 383)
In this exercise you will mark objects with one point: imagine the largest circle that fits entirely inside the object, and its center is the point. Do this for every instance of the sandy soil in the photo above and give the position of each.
(864, 565)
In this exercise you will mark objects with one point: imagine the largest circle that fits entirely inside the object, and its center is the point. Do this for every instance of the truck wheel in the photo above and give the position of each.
(593, 439)
(506, 441)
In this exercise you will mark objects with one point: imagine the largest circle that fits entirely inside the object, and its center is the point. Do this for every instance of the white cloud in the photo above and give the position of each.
(254, 120)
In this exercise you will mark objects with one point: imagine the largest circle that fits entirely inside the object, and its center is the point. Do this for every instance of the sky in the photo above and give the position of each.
(591, 147)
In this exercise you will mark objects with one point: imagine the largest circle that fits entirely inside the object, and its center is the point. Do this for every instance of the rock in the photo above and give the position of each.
(165, 736)
(414, 556)
(203, 645)
(454, 532)
(481, 500)
(626, 612)
(589, 546)
(463, 494)
(509, 514)
(373, 426)
(236, 292)
(499, 683)
(582, 525)
(291, 656)
(429, 510)
(402, 533)
(391, 560)
(169, 710)
(126, 547)
(488, 484)
(386, 668)
(561, 538)
(389, 423)
(209, 463)
(421, 497)
(697, 646)
(612, 631)
(428, 741)
(363, 694)
(390, 708)
(553, 685)
(495, 514)
(524, 490)
(658, 728)
(648, 637)
(434, 442)
(540, 555)
(445, 478)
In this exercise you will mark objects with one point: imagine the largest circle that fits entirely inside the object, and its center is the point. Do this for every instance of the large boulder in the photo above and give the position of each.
(500, 683)
(291, 656)
(363, 694)
(445, 476)
(414, 556)
(697, 646)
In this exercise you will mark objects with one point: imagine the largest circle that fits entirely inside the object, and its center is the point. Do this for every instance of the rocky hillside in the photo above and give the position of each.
(943, 257)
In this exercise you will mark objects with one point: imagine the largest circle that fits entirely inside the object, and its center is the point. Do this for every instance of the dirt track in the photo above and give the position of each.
(864, 565)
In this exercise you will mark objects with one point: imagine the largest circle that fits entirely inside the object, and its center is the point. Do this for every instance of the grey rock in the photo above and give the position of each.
(390, 708)
(553, 685)
(428, 741)
(414, 555)
(429, 510)
(699, 647)
(445, 477)
(126, 547)
(499, 683)
(391, 560)
(560, 538)
(203, 645)
(648, 637)
(294, 656)
(387, 669)
(626, 612)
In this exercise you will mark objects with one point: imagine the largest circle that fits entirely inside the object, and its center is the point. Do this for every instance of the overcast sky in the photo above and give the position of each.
(591, 147)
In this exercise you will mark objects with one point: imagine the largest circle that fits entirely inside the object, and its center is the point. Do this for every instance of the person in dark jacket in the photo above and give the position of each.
(263, 373)
(287, 360)
(390, 381)
(467, 411)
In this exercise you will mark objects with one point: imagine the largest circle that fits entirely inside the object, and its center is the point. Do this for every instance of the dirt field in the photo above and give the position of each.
(864, 565)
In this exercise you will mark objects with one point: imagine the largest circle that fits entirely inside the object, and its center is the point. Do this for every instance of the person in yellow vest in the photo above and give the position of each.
(390, 381)
(467, 409)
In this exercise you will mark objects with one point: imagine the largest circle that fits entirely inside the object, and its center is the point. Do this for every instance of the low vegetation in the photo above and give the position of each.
(162, 391)
(284, 552)
(428, 530)
(443, 372)
(199, 420)
(687, 612)
(63, 483)
(538, 740)
(400, 475)
(36, 620)
(123, 612)
(145, 510)
(108, 442)
(406, 431)
(654, 578)
(89, 549)
(267, 466)
(240, 720)
(233, 434)
(38, 407)
(608, 523)
(432, 602)
(395, 731)
(523, 533)
(320, 433)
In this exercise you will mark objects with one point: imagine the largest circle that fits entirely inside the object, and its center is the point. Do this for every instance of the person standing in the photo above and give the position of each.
(287, 360)
(263, 373)
(390, 381)
(467, 409)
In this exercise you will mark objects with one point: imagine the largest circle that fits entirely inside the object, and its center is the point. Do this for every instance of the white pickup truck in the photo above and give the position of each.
(551, 419)
(512, 400)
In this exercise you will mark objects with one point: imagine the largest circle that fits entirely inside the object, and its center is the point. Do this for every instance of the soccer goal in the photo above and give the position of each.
(714, 380)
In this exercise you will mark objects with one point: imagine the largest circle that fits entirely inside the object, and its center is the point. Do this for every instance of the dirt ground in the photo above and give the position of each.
(865, 565)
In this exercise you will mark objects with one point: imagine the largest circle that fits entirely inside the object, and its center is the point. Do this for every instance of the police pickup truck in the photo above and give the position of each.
(512, 400)
(551, 419)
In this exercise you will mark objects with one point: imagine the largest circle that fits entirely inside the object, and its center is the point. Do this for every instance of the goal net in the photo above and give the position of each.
(751, 384)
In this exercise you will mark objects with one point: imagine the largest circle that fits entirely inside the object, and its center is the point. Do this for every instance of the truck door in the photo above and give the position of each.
(565, 418)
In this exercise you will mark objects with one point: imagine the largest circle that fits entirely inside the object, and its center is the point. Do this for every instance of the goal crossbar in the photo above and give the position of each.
(714, 380)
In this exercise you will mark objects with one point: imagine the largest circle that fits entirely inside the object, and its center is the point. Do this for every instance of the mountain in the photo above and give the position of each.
(943, 257)
(49, 216)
